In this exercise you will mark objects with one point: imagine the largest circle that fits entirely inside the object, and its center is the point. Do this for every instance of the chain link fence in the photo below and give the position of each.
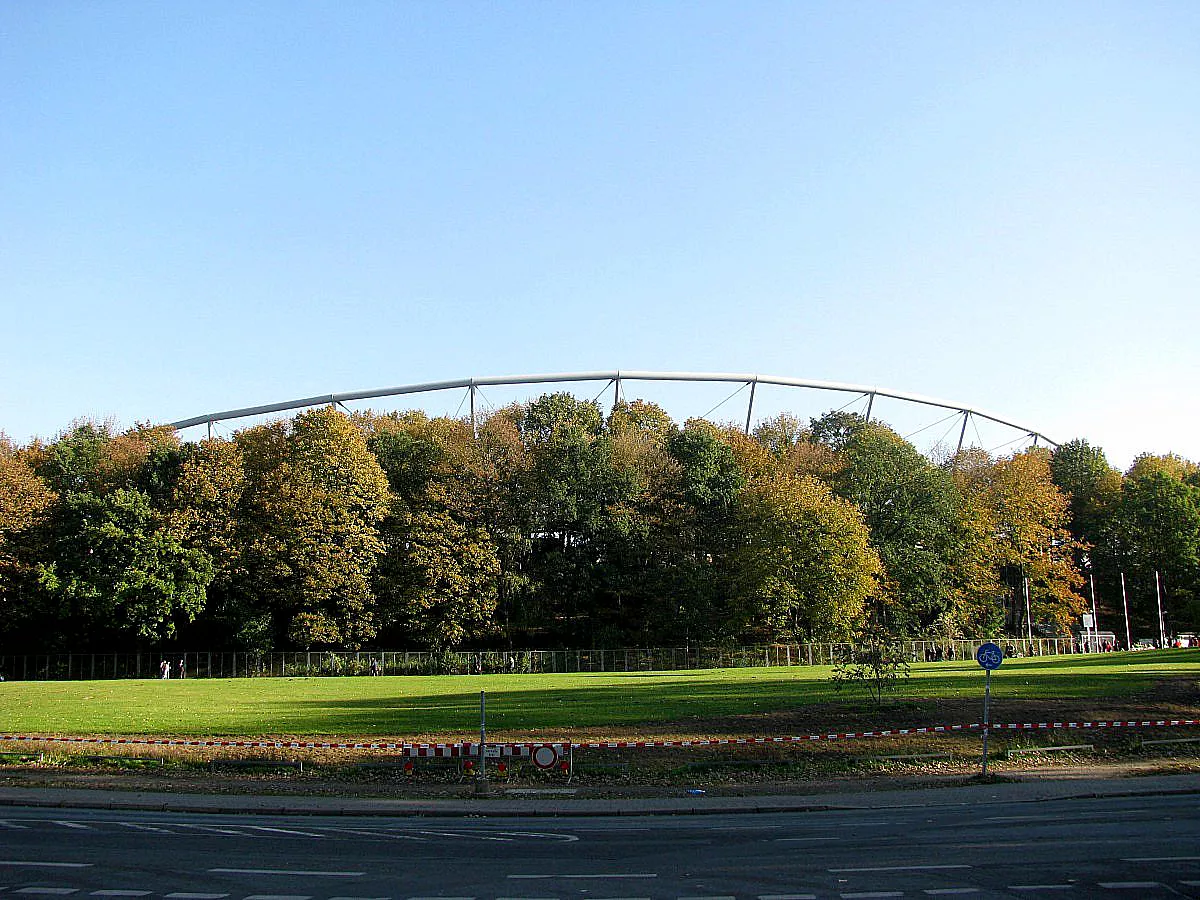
(93, 666)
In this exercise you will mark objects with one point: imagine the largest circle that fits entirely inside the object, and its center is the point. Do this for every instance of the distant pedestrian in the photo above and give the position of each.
(179, 668)
(374, 667)
(164, 669)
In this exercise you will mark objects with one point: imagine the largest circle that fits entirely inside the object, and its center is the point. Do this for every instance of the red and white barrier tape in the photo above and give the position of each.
(470, 749)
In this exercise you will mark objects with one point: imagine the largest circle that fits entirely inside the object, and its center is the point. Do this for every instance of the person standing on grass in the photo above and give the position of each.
(164, 669)
(180, 669)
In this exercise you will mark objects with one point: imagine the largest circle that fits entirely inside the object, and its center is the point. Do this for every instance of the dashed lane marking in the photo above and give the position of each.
(211, 829)
(929, 868)
(940, 892)
(4, 823)
(277, 897)
(1041, 887)
(787, 897)
(285, 831)
(381, 834)
(153, 828)
(186, 895)
(47, 865)
(804, 840)
(51, 891)
(119, 893)
(286, 872)
(1160, 859)
(870, 895)
(602, 875)
(1129, 885)
(80, 826)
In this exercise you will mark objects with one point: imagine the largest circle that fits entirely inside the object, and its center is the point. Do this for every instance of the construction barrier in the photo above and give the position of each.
(472, 749)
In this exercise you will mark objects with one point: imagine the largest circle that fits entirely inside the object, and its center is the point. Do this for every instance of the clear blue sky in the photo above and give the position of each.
(213, 205)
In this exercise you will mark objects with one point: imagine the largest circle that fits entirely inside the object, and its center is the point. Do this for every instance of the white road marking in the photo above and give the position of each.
(1129, 885)
(714, 897)
(936, 892)
(381, 834)
(456, 834)
(73, 825)
(284, 872)
(901, 868)
(564, 838)
(48, 865)
(119, 894)
(215, 829)
(410, 898)
(787, 897)
(1041, 887)
(621, 875)
(4, 823)
(55, 891)
(868, 895)
(1160, 859)
(284, 831)
(136, 827)
(277, 897)
(185, 895)
(804, 840)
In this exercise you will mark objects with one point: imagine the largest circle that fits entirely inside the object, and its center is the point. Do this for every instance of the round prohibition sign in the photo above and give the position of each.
(990, 656)
(545, 757)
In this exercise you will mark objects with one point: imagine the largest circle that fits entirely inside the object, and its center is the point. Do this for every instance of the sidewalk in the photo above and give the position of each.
(499, 802)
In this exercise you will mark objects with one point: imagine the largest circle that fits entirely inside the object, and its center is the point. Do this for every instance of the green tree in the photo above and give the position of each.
(438, 582)
(116, 577)
(1158, 530)
(911, 508)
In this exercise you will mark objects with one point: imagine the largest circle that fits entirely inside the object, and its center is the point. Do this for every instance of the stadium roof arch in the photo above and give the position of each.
(616, 379)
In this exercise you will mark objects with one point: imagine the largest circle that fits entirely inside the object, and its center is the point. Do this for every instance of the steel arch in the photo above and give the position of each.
(615, 379)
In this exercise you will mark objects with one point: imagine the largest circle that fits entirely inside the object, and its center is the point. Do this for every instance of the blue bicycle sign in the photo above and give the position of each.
(989, 656)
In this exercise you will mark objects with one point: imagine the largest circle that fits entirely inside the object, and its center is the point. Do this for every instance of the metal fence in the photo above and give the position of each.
(93, 666)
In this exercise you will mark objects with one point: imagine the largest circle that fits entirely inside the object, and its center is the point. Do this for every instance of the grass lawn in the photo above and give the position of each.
(447, 707)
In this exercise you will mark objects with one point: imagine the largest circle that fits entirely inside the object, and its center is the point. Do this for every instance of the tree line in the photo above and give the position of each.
(549, 525)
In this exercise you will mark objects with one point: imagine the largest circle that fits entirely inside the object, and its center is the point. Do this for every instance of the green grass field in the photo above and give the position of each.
(447, 707)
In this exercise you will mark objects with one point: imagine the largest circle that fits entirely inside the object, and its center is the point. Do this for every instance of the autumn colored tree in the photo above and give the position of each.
(25, 502)
(314, 498)
(804, 565)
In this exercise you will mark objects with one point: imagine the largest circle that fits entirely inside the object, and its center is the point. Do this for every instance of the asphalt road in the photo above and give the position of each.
(1130, 847)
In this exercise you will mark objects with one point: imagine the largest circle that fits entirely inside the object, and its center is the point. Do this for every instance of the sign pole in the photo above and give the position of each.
(481, 782)
(989, 656)
(987, 701)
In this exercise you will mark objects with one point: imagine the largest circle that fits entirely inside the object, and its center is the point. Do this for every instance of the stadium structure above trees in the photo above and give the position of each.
(615, 380)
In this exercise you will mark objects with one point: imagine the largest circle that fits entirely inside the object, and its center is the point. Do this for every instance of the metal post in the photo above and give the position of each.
(1095, 618)
(1125, 603)
(481, 783)
(1162, 628)
(474, 427)
(617, 389)
(963, 433)
(1028, 613)
(750, 405)
(987, 702)
(870, 404)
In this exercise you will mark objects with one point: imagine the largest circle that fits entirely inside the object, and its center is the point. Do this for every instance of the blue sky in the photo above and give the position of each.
(214, 205)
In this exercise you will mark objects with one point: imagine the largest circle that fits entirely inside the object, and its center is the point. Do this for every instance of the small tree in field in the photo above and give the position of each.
(875, 659)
